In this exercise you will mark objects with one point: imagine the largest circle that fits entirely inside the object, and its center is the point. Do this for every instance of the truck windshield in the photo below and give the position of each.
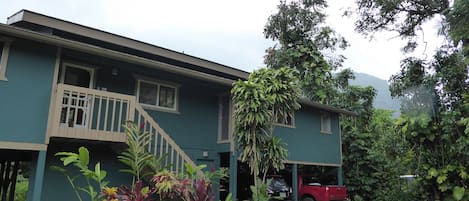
(311, 181)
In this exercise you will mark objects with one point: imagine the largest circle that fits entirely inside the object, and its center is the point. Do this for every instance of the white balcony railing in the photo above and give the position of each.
(83, 113)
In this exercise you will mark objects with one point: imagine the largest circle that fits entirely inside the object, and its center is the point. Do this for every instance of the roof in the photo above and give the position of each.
(47, 21)
(327, 107)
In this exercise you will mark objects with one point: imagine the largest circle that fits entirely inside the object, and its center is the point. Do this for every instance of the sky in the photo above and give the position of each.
(226, 32)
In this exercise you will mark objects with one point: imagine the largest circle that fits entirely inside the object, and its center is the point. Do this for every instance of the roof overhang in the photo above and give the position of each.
(47, 21)
(326, 107)
(87, 48)
(36, 18)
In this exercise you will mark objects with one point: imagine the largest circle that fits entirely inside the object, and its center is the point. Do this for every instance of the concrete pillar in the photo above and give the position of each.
(295, 181)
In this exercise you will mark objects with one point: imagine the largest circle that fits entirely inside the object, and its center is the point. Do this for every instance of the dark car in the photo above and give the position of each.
(278, 188)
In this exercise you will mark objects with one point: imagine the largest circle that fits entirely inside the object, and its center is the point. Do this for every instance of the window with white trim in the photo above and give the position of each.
(157, 95)
(1, 48)
(224, 118)
(326, 122)
(4, 51)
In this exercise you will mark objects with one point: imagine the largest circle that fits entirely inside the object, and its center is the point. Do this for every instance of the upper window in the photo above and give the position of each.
(326, 123)
(287, 120)
(4, 51)
(1, 49)
(224, 118)
(157, 95)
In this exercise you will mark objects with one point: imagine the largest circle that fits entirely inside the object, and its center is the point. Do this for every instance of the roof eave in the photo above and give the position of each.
(327, 107)
(40, 19)
(74, 45)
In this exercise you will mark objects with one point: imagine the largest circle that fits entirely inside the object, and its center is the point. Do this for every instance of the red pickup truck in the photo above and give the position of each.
(310, 189)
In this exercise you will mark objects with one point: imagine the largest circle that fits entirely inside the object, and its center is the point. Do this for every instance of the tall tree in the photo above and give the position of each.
(307, 45)
(302, 40)
(433, 90)
(267, 96)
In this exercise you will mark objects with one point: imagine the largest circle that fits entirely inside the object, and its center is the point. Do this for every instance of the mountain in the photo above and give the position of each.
(383, 99)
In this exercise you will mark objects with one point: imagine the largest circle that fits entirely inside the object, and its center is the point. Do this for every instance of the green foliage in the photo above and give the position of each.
(190, 186)
(140, 162)
(302, 35)
(92, 177)
(259, 191)
(274, 152)
(21, 188)
(268, 96)
(433, 92)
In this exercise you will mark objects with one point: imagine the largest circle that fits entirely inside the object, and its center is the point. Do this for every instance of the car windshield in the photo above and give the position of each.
(278, 184)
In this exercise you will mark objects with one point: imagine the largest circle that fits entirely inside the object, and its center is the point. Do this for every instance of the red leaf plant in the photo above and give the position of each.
(138, 193)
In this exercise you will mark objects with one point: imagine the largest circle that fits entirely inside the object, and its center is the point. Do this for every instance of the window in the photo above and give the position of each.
(4, 51)
(224, 118)
(287, 120)
(326, 123)
(157, 95)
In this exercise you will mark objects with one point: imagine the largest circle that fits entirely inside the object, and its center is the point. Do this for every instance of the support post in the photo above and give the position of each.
(233, 174)
(35, 186)
(339, 176)
(295, 181)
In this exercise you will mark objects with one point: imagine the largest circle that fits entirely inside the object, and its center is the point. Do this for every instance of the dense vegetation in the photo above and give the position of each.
(431, 137)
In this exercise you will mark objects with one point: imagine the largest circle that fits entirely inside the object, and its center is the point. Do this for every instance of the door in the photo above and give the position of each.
(76, 107)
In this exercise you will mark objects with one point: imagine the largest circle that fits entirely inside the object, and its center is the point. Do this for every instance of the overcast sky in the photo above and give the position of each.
(227, 32)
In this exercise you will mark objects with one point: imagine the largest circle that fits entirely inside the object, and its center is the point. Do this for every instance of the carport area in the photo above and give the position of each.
(322, 174)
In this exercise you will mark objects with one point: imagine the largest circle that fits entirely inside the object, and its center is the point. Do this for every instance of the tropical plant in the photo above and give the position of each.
(274, 152)
(259, 191)
(267, 96)
(191, 186)
(140, 162)
(94, 177)
(136, 193)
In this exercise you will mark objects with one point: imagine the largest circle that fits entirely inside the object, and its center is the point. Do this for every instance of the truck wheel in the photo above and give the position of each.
(308, 199)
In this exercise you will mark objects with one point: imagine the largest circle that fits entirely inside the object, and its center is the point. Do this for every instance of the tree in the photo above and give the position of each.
(307, 45)
(434, 90)
(302, 38)
(267, 96)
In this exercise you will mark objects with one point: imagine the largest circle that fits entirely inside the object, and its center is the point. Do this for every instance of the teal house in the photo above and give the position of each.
(65, 85)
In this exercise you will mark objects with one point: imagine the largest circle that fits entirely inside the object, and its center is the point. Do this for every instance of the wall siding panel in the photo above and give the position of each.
(24, 98)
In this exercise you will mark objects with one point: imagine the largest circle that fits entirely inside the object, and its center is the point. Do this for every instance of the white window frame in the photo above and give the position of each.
(4, 58)
(156, 106)
(323, 116)
(91, 70)
(220, 118)
(293, 125)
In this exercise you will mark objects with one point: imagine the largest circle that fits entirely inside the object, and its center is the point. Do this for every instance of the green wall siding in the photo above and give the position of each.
(24, 98)
(195, 128)
(195, 125)
(306, 143)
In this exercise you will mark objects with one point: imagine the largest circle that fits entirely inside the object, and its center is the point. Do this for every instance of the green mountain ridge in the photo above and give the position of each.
(383, 99)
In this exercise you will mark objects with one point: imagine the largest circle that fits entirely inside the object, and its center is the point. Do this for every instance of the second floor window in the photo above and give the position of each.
(157, 95)
(326, 123)
(4, 50)
(287, 120)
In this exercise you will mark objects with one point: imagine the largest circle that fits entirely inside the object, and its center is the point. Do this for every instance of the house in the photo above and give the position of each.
(64, 85)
